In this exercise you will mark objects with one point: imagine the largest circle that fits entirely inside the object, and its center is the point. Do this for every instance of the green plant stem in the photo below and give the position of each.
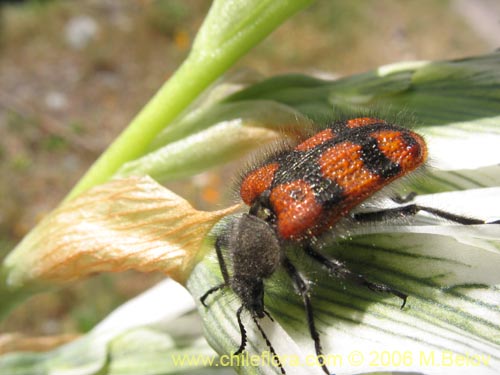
(11, 297)
(229, 31)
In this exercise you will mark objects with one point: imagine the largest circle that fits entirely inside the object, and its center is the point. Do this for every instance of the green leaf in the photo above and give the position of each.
(435, 93)
(197, 153)
(257, 113)
(217, 135)
(440, 181)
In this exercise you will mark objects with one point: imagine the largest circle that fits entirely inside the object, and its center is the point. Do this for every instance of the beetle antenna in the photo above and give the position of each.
(268, 343)
(243, 332)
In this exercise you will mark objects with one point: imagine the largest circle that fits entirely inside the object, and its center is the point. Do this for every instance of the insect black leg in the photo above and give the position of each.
(303, 289)
(223, 270)
(268, 343)
(338, 269)
(242, 331)
(269, 315)
(413, 209)
(210, 291)
(220, 258)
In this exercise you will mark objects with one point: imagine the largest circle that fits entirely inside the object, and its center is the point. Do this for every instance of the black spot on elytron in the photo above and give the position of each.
(304, 166)
(411, 142)
(326, 192)
(376, 161)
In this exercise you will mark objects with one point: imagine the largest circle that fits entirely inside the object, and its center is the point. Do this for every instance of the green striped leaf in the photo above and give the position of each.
(437, 181)
(449, 271)
(436, 93)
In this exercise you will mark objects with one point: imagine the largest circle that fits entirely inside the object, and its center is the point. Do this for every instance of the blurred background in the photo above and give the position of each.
(74, 73)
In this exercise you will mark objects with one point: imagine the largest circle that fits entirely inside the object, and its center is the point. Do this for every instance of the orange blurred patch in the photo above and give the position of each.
(210, 195)
(182, 40)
